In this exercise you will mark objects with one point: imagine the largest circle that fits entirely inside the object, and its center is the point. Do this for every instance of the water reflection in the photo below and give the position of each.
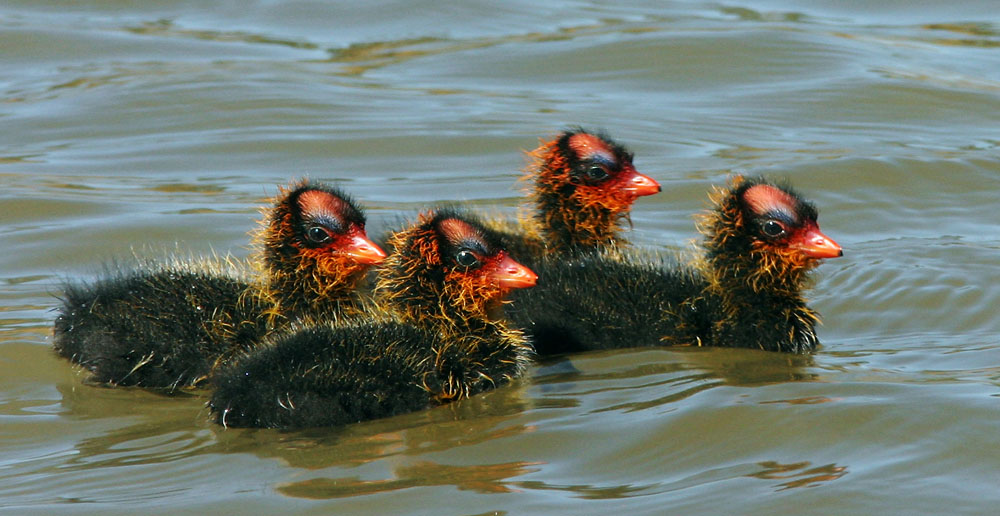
(488, 478)
(166, 429)
(799, 474)
(794, 475)
(172, 427)
(161, 429)
(482, 419)
(121, 118)
(167, 28)
(681, 372)
(592, 492)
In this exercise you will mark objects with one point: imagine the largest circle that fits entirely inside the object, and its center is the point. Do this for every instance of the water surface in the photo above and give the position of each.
(157, 128)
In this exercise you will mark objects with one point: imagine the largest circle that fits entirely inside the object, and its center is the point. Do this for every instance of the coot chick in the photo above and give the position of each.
(761, 240)
(167, 325)
(583, 187)
(314, 252)
(437, 338)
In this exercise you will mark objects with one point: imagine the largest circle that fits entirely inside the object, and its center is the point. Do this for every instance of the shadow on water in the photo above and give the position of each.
(684, 372)
(169, 428)
(790, 476)
(467, 423)
(175, 430)
(402, 449)
(488, 478)
(799, 474)
(158, 428)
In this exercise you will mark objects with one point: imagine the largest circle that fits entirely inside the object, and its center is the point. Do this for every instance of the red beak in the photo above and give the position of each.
(639, 184)
(817, 245)
(363, 250)
(510, 274)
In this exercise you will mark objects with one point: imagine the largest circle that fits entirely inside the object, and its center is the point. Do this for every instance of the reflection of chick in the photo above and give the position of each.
(439, 340)
(583, 186)
(166, 326)
(761, 240)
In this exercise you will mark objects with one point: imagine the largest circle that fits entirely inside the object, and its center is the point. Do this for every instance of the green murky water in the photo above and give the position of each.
(159, 127)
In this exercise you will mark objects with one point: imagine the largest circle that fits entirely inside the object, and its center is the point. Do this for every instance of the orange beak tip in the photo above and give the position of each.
(641, 185)
(510, 274)
(364, 251)
(519, 280)
(817, 245)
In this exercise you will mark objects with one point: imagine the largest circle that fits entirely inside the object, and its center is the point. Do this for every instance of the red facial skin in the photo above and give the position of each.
(584, 187)
(315, 252)
(628, 181)
(805, 238)
(498, 271)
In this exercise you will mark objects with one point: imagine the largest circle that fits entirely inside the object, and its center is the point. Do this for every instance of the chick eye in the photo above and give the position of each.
(597, 172)
(467, 259)
(317, 235)
(772, 228)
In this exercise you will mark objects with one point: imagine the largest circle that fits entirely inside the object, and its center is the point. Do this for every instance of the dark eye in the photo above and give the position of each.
(317, 235)
(773, 228)
(467, 259)
(597, 172)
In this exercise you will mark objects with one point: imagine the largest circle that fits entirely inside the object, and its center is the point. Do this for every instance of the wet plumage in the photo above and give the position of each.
(436, 337)
(167, 325)
(582, 189)
(760, 241)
